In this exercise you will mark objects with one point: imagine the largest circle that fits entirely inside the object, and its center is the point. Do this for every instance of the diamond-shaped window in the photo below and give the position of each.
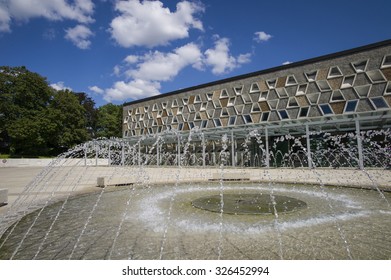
(311, 76)
(326, 109)
(255, 108)
(217, 122)
(224, 113)
(301, 89)
(271, 83)
(386, 62)
(323, 85)
(348, 81)
(239, 109)
(265, 116)
(351, 106)
(224, 93)
(254, 88)
(232, 120)
(379, 103)
(387, 90)
(334, 72)
(303, 113)
(238, 90)
(197, 116)
(290, 81)
(246, 99)
(231, 101)
(360, 66)
(263, 96)
(337, 96)
(292, 102)
(210, 113)
(281, 92)
(247, 119)
(376, 76)
(273, 103)
(191, 108)
(363, 91)
(283, 114)
(216, 104)
(197, 99)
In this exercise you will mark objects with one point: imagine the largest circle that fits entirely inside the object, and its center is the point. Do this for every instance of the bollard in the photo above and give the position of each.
(3, 197)
(101, 182)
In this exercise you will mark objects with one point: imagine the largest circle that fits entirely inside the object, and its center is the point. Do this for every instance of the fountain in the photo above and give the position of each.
(181, 197)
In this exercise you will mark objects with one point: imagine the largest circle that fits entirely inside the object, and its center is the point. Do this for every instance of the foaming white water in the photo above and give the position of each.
(152, 210)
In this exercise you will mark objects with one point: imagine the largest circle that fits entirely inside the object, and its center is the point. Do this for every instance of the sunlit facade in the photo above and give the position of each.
(345, 93)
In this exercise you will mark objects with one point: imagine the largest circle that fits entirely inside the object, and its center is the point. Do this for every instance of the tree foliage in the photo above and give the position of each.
(109, 121)
(37, 120)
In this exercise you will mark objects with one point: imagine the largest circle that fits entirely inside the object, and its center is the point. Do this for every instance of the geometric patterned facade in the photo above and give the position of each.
(349, 83)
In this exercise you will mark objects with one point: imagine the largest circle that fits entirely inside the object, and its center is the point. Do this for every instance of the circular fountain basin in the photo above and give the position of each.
(249, 204)
(160, 222)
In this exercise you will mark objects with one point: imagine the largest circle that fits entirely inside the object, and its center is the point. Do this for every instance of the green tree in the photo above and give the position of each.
(91, 113)
(109, 122)
(24, 96)
(68, 116)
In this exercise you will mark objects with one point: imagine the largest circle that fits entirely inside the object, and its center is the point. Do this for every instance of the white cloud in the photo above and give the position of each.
(286, 62)
(79, 35)
(23, 10)
(117, 70)
(96, 89)
(5, 19)
(158, 66)
(261, 36)
(150, 24)
(131, 59)
(244, 58)
(135, 89)
(146, 73)
(150, 70)
(60, 86)
(220, 59)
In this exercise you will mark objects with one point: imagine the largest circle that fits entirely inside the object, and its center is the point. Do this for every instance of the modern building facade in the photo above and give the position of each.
(287, 109)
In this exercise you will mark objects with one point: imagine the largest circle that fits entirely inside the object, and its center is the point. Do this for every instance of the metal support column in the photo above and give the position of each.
(203, 151)
(96, 153)
(139, 153)
(233, 148)
(157, 153)
(85, 154)
(267, 158)
(307, 136)
(359, 145)
(146, 155)
(109, 155)
(179, 150)
(123, 153)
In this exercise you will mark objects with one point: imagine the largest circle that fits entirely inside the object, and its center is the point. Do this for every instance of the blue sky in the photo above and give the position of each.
(119, 51)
